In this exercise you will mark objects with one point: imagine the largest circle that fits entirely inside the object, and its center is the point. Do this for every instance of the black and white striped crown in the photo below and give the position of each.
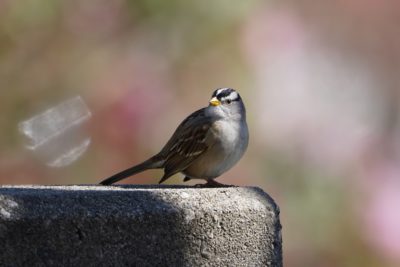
(226, 95)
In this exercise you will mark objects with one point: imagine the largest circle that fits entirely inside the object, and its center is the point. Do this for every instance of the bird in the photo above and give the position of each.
(206, 144)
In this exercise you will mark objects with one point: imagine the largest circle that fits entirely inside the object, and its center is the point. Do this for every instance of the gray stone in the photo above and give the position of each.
(138, 226)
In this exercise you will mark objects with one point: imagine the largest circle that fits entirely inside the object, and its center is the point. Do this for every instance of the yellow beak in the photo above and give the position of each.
(215, 102)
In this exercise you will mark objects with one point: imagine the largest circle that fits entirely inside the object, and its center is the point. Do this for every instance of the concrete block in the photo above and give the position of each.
(89, 225)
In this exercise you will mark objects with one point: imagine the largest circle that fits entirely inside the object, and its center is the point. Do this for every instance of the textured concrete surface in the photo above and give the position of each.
(138, 226)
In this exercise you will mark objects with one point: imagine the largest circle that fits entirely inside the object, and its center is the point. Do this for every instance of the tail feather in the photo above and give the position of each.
(148, 164)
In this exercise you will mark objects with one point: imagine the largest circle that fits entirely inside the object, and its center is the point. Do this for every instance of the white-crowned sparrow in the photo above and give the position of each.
(205, 145)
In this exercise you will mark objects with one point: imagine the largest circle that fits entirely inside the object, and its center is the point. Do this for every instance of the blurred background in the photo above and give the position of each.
(320, 80)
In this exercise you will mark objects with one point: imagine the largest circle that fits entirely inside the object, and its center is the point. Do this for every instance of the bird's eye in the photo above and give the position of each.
(228, 101)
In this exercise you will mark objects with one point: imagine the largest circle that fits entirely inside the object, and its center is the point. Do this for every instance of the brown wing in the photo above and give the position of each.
(186, 144)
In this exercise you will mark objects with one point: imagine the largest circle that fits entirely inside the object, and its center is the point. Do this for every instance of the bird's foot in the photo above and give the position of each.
(212, 183)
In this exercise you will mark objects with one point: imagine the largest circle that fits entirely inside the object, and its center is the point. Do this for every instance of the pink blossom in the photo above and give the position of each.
(382, 211)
